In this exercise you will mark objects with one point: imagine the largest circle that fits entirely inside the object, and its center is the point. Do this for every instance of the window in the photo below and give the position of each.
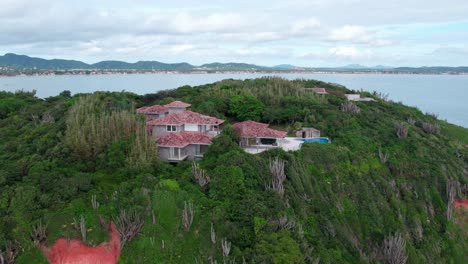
(171, 128)
(171, 153)
(268, 141)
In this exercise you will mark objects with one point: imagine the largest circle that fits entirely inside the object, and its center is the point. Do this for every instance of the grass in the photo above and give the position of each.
(454, 131)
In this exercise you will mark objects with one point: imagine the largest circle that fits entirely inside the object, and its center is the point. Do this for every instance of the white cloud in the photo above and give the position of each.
(280, 52)
(350, 53)
(91, 47)
(357, 34)
(224, 22)
(350, 33)
(305, 26)
(340, 53)
(180, 49)
(381, 43)
(250, 37)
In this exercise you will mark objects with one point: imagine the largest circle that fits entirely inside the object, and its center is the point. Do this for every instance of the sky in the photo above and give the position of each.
(313, 33)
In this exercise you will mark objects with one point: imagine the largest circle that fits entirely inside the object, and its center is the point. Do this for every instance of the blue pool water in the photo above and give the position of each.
(320, 140)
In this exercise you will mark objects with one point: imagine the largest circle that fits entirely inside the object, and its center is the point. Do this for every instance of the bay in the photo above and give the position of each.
(444, 95)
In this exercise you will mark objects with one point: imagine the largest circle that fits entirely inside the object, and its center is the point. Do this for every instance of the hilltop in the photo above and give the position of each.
(389, 179)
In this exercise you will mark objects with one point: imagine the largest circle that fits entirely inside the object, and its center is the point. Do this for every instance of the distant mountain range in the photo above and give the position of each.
(20, 62)
(359, 66)
(25, 62)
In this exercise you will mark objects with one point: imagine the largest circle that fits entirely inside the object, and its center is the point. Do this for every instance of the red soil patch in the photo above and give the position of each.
(462, 203)
(75, 251)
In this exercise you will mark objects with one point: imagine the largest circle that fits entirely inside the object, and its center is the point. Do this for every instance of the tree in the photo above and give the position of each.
(278, 248)
(227, 184)
(246, 107)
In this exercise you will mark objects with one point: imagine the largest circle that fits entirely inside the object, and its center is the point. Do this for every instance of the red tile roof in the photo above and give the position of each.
(182, 139)
(320, 90)
(154, 109)
(250, 123)
(256, 129)
(177, 104)
(186, 117)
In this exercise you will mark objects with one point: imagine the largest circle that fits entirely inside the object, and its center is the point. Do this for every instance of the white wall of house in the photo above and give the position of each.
(172, 153)
(353, 97)
(189, 152)
(191, 127)
(315, 133)
(162, 130)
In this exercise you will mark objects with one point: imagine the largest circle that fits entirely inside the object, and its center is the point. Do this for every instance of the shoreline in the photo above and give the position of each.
(81, 73)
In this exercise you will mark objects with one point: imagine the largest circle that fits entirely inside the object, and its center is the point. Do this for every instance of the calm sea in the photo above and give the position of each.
(445, 95)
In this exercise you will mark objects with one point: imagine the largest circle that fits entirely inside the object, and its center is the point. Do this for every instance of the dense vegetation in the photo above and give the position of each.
(382, 192)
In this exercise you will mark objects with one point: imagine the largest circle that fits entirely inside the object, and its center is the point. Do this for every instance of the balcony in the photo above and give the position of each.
(177, 158)
(213, 131)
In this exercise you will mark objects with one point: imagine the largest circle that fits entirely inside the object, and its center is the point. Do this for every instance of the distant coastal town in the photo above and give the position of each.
(22, 65)
(9, 72)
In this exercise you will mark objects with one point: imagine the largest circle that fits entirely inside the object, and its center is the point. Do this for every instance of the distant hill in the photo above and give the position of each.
(433, 69)
(285, 66)
(381, 67)
(142, 65)
(353, 66)
(360, 67)
(231, 66)
(25, 62)
(20, 62)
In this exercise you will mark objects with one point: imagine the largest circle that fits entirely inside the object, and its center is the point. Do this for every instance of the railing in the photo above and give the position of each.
(214, 133)
(182, 157)
(259, 148)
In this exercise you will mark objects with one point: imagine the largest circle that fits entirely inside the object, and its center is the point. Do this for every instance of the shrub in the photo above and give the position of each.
(430, 128)
(350, 107)
(393, 250)
(401, 130)
(170, 184)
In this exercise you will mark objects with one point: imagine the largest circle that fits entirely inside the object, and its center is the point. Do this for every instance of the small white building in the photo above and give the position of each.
(308, 132)
(353, 97)
(357, 97)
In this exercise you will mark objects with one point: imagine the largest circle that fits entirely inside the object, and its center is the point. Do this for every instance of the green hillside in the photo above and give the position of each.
(382, 192)
(14, 61)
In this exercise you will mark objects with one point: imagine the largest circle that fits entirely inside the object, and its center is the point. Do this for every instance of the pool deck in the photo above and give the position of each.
(287, 144)
(290, 143)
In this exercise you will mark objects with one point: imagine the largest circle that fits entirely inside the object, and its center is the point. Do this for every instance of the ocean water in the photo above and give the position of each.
(444, 95)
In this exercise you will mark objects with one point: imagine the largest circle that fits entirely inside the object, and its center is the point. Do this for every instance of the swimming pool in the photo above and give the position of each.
(320, 140)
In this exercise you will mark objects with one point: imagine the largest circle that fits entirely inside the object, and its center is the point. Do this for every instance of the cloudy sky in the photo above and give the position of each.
(299, 32)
